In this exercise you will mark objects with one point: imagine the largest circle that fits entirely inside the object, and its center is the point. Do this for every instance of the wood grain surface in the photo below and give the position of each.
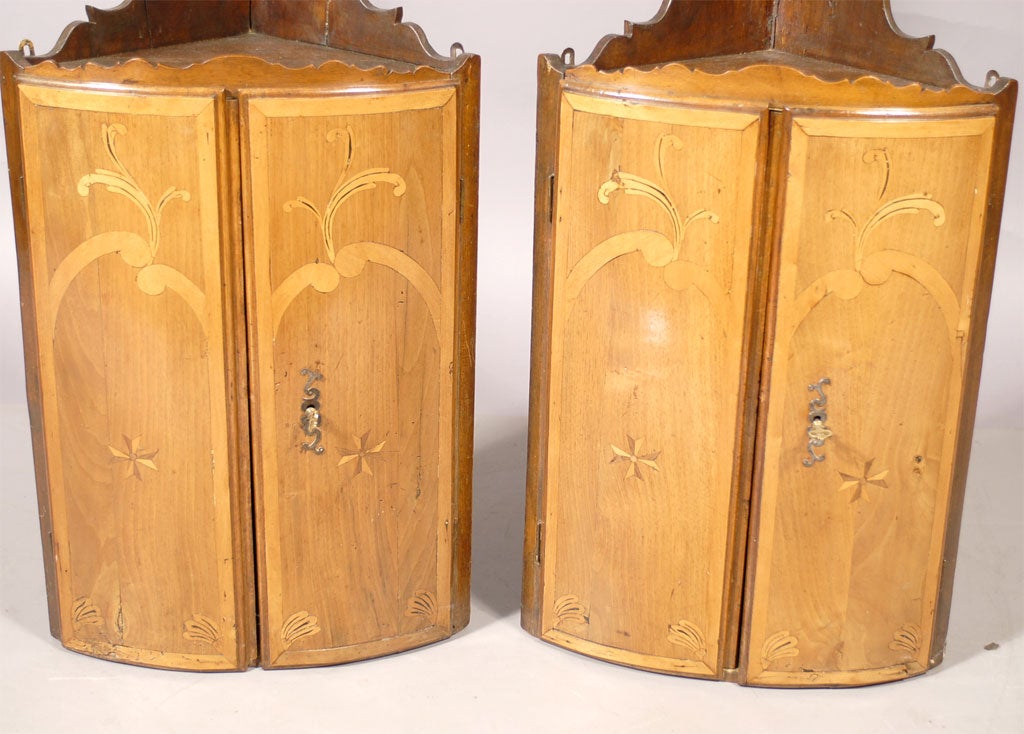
(650, 310)
(367, 166)
(849, 369)
(135, 370)
(352, 277)
(880, 246)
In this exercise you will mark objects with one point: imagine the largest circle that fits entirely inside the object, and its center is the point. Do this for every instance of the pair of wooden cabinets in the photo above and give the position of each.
(765, 241)
(247, 244)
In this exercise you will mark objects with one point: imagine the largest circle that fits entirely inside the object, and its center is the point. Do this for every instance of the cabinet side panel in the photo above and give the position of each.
(1006, 102)
(33, 387)
(465, 339)
(879, 257)
(548, 102)
(123, 204)
(354, 222)
(652, 254)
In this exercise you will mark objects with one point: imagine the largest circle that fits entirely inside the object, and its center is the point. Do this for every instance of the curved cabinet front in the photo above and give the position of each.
(134, 364)
(653, 223)
(352, 275)
(880, 251)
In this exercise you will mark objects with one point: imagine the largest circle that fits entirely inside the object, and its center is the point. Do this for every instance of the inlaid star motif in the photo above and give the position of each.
(860, 484)
(134, 456)
(361, 454)
(635, 458)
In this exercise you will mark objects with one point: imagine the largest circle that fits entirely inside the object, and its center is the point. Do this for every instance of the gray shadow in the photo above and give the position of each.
(499, 502)
(988, 589)
(22, 586)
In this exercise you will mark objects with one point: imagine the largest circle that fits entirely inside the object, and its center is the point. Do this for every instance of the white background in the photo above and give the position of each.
(493, 676)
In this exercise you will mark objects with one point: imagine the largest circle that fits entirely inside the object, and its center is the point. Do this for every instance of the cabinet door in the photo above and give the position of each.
(136, 367)
(878, 260)
(353, 214)
(654, 220)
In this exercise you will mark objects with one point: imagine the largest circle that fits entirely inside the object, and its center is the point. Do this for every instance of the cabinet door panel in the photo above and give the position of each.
(149, 527)
(652, 254)
(352, 274)
(879, 255)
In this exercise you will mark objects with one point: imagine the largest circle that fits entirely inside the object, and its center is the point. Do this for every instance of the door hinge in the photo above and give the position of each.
(540, 543)
(551, 198)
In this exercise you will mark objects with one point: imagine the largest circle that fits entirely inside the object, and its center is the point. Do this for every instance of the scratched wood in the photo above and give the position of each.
(881, 238)
(653, 230)
(148, 524)
(352, 278)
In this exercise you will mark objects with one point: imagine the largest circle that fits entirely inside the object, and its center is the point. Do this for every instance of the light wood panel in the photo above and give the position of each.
(352, 234)
(124, 204)
(654, 218)
(880, 248)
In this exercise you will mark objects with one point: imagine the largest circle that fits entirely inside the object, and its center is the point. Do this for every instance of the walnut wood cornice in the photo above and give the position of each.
(855, 33)
(355, 25)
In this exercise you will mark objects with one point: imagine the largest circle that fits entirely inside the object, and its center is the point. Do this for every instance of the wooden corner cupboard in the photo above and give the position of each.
(765, 239)
(246, 238)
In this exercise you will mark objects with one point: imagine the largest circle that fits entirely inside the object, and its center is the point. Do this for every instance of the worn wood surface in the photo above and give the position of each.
(406, 308)
(369, 307)
(125, 245)
(872, 254)
(548, 131)
(1006, 101)
(136, 26)
(688, 29)
(33, 385)
(650, 297)
(881, 237)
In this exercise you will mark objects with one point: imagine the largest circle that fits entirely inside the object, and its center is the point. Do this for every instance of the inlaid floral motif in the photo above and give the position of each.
(139, 252)
(120, 181)
(299, 625)
(201, 629)
(907, 639)
(422, 604)
(636, 458)
(874, 266)
(134, 457)
(569, 608)
(84, 613)
(777, 647)
(658, 250)
(687, 635)
(860, 484)
(350, 259)
(361, 454)
(904, 205)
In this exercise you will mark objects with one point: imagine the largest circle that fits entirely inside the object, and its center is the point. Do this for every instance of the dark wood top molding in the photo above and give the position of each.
(817, 29)
(822, 30)
(357, 25)
(137, 26)
(685, 29)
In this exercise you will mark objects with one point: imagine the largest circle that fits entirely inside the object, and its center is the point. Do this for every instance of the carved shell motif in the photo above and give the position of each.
(569, 609)
(299, 625)
(778, 646)
(422, 604)
(201, 629)
(687, 635)
(907, 639)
